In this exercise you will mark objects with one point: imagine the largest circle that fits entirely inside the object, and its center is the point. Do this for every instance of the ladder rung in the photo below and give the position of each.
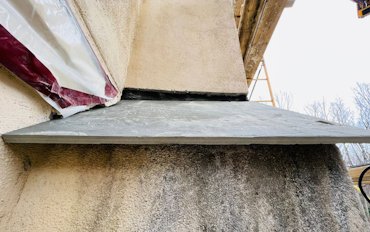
(263, 101)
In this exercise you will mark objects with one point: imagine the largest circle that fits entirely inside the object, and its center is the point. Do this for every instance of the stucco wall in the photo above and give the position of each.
(187, 45)
(112, 26)
(20, 106)
(185, 188)
(166, 188)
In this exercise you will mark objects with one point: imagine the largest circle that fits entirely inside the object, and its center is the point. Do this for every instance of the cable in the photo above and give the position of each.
(360, 183)
(255, 82)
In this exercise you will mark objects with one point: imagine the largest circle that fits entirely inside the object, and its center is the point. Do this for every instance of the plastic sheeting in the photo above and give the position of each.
(42, 43)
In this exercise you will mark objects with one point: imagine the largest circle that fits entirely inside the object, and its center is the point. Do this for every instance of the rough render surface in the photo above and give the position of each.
(184, 188)
(166, 188)
(187, 46)
(112, 26)
(20, 106)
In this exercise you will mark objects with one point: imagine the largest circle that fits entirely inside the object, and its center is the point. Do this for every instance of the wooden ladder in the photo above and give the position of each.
(267, 79)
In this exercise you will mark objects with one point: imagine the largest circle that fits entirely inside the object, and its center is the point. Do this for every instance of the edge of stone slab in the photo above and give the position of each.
(47, 139)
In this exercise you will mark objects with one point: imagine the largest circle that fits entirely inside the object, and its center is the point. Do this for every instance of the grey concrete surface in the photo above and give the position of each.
(188, 122)
(262, 188)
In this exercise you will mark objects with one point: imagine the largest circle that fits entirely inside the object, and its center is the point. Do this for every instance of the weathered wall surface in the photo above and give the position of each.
(166, 188)
(185, 188)
(20, 106)
(187, 46)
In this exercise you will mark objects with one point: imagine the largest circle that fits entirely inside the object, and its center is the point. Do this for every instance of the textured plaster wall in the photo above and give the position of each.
(166, 188)
(187, 45)
(20, 106)
(112, 26)
(185, 188)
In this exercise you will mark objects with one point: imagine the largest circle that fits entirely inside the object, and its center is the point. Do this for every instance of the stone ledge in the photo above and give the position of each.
(188, 122)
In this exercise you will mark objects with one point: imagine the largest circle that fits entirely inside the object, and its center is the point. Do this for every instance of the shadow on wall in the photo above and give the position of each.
(20, 106)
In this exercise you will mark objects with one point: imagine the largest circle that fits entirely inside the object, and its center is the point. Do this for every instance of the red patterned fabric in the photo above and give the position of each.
(23, 63)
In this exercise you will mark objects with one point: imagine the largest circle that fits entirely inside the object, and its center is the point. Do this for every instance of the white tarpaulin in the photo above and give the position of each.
(48, 29)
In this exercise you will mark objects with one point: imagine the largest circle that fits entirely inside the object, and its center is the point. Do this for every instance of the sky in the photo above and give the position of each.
(319, 49)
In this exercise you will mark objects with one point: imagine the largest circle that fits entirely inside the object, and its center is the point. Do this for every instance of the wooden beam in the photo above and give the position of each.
(237, 11)
(238, 7)
(258, 21)
(290, 3)
(249, 14)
